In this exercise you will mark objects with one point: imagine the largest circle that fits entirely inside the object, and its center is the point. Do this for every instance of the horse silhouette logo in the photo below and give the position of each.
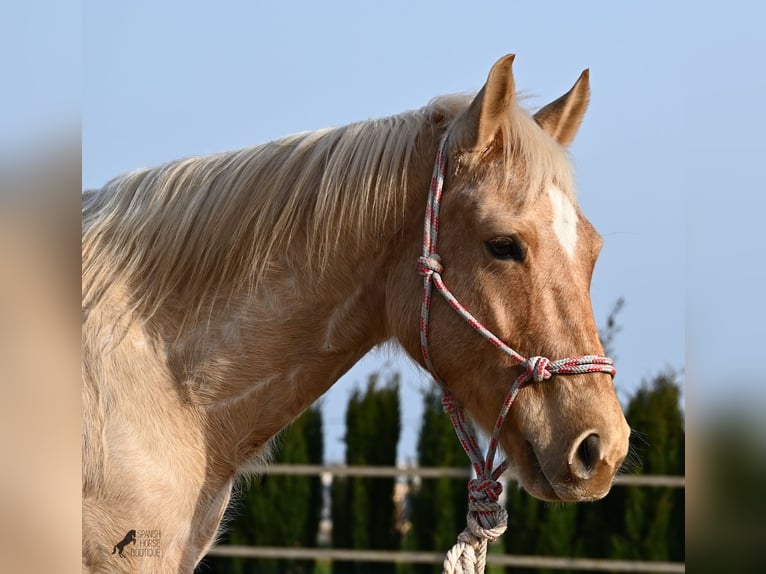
(120, 546)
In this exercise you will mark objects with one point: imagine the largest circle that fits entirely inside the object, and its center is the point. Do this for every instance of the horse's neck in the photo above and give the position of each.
(257, 366)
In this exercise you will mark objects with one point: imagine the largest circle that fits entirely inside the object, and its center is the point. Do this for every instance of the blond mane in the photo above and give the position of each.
(200, 229)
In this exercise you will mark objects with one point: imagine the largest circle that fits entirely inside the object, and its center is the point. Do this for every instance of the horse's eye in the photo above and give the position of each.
(507, 248)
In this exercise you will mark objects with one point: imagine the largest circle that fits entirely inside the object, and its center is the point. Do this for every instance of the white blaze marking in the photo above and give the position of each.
(564, 220)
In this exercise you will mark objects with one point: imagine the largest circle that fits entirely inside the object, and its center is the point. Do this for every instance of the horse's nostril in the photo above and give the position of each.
(587, 456)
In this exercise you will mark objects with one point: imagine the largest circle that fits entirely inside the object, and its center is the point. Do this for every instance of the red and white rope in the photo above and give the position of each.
(487, 519)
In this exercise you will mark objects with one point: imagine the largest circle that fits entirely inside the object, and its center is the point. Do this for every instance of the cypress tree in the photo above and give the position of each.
(608, 333)
(314, 433)
(276, 510)
(364, 514)
(438, 506)
(654, 527)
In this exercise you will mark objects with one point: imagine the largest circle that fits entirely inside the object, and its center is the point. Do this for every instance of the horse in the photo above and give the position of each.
(222, 295)
(130, 538)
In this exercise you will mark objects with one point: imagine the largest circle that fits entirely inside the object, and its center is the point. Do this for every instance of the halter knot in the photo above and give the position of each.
(428, 265)
(538, 368)
(487, 519)
(483, 492)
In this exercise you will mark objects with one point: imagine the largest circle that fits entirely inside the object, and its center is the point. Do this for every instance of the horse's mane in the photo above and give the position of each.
(207, 226)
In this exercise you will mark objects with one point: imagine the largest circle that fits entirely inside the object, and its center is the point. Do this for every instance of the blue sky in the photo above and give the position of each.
(662, 157)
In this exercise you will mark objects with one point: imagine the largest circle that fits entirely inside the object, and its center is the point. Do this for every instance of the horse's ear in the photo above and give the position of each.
(480, 124)
(562, 117)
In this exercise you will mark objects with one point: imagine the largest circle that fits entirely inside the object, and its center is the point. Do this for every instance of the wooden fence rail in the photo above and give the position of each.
(445, 472)
(401, 556)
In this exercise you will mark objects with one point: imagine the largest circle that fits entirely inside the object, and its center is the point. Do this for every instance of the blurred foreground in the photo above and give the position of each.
(726, 470)
(40, 359)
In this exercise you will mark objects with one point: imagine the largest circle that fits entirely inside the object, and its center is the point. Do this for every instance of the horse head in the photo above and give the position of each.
(518, 254)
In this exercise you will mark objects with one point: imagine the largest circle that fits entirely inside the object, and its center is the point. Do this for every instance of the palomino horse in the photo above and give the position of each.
(222, 295)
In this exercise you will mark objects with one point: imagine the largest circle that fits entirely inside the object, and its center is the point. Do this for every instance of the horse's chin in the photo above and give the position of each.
(540, 489)
(531, 477)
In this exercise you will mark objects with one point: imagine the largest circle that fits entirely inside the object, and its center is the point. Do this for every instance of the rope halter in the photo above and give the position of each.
(487, 519)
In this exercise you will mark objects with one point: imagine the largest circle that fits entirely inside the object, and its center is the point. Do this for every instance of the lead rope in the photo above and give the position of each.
(486, 519)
